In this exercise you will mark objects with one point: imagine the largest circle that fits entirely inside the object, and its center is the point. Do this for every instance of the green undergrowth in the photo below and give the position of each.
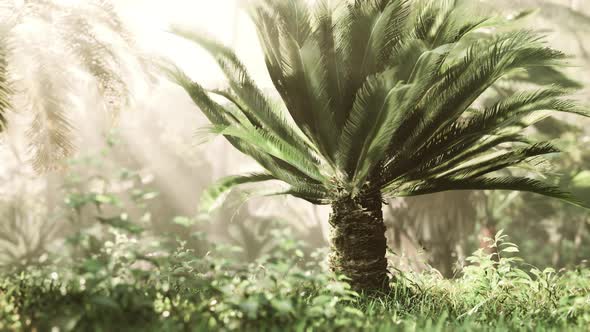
(139, 282)
(115, 273)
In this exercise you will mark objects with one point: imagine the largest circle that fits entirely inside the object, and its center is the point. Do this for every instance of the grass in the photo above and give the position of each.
(137, 282)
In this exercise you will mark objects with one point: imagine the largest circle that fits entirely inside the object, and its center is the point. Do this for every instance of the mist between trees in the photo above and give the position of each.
(111, 129)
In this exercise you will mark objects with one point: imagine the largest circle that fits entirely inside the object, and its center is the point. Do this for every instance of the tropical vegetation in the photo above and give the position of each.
(389, 117)
(117, 274)
(379, 99)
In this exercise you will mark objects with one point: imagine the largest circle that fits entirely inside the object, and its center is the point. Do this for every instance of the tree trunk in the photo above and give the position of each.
(358, 242)
(489, 231)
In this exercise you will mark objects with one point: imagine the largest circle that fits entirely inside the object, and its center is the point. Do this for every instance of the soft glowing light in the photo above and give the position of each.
(151, 21)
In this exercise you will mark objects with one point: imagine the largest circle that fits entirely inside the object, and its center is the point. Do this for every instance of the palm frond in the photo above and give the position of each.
(99, 59)
(90, 38)
(214, 195)
(51, 131)
(492, 162)
(5, 90)
(375, 28)
(273, 146)
(471, 136)
(385, 95)
(445, 22)
(299, 68)
(545, 76)
(317, 196)
(371, 123)
(461, 84)
(245, 95)
(485, 63)
(283, 160)
(487, 183)
(330, 45)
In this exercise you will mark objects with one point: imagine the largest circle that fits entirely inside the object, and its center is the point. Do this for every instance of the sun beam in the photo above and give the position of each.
(151, 21)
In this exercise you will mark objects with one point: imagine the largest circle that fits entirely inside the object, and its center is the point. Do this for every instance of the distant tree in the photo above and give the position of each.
(378, 101)
(437, 224)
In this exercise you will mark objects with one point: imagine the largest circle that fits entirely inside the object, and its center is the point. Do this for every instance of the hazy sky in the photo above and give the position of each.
(218, 18)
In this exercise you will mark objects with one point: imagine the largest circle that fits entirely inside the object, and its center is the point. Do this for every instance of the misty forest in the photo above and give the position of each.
(294, 165)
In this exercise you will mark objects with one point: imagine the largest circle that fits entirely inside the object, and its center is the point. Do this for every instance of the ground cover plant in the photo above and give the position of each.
(123, 287)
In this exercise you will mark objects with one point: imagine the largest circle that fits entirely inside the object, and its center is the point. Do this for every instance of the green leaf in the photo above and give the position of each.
(92, 265)
(183, 221)
(215, 195)
(487, 183)
(121, 223)
(149, 195)
(250, 308)
(510, 249)
(354, 311)
(105, 199)
(283, 306)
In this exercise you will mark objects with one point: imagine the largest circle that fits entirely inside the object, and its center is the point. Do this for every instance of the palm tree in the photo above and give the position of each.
(48, 50)
(378, 100)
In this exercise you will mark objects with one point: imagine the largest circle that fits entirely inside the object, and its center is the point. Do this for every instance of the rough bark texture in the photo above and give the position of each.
(358, 242)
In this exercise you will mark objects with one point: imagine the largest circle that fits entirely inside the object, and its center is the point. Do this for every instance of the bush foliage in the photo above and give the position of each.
(130, 280)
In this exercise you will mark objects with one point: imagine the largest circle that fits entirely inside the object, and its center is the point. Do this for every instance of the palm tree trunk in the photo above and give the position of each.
(358, 242)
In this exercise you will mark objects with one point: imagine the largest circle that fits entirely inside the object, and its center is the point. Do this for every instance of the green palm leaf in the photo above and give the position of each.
(383, 94)
(51, 44)
(5, 90)
(370, 125)
(489, 183)
(214, 195)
